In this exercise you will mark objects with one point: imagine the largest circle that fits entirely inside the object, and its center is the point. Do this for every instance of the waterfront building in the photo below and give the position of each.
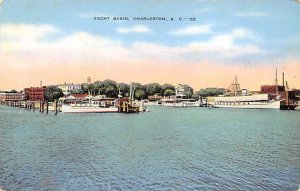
(155, 98)
(73, 98)
(35, 93)
(280, 92)
(68, 88)
(9, 96)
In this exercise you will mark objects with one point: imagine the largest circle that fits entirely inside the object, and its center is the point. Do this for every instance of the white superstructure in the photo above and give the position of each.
(179, 100)
(259, 101)
(237, 98)
(103, 105)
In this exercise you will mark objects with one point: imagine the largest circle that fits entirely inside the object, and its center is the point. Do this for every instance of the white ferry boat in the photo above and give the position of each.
(259, 101)
(237, 98)
(179, 100)
(92, 105)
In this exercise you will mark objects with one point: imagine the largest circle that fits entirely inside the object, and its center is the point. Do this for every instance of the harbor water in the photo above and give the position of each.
(165, 149)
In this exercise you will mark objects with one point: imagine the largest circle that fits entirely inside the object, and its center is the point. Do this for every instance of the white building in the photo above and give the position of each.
(179, 90)
(67, 88)
(9, 96)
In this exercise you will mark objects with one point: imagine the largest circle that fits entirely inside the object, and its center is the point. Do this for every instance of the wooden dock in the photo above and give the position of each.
(42, 106)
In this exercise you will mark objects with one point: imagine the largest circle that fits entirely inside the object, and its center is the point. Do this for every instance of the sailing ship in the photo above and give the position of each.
(235, 97)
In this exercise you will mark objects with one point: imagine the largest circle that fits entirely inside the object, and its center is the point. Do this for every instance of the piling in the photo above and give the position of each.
(42, 106)
(55, 101)
(47, 107)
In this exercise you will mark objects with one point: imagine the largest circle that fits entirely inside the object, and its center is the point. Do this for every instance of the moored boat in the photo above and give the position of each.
(179, 100)
(258, 101)
(92, 105)
(242, 99)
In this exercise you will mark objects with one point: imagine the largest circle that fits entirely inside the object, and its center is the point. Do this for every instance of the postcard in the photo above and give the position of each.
(149, 95)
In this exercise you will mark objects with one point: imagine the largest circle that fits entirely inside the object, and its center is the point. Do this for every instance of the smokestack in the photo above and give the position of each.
(283, 79)
(41, 84)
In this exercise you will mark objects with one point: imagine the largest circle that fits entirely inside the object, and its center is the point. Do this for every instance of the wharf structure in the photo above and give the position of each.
(126, 105)
(287, 97)
(11, 99)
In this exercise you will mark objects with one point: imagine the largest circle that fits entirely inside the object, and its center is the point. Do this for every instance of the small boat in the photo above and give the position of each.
(242, 99)
(179, 100)
(92, 105)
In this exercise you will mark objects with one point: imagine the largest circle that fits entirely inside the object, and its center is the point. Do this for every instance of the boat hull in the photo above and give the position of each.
(248, 105)
(80, 109)
(182, 104)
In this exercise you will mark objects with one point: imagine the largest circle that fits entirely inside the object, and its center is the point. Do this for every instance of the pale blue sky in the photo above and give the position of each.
(273, 26)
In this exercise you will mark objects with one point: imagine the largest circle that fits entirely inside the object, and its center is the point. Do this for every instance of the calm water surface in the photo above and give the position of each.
(165, 149)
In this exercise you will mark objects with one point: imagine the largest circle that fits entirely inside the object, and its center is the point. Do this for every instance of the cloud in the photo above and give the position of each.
(134, 29)
(86, 47)
(251, 14)
(74, 57)
(26, 31)
(192, 30)
(224, 45)
(24, 36)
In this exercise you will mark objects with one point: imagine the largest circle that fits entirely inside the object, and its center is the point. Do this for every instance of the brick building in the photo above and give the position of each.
(277, 90)
(9, 96)
(35, 93)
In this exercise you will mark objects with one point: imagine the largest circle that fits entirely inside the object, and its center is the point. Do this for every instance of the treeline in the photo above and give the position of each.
(112, 89)
(211, 92)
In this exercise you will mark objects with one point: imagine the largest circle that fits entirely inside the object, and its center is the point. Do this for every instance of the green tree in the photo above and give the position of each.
(85, 88)
(124, 89)
(196, 94)
(91, 89)
(153, 88)
(13, 91)
(188, 90)
(166, 87)
(99, 87)
(111, 91)
(139, 93)
(110, 87)
(77, 91)
(52, 93)
(211, 92)
(136, 85)
(169, 92)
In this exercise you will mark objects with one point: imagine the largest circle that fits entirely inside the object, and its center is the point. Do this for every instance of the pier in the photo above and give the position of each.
(126, 105)
(42, 106)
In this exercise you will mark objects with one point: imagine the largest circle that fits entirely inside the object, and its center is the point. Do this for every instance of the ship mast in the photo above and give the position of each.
(276, 80)
(235, 87)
